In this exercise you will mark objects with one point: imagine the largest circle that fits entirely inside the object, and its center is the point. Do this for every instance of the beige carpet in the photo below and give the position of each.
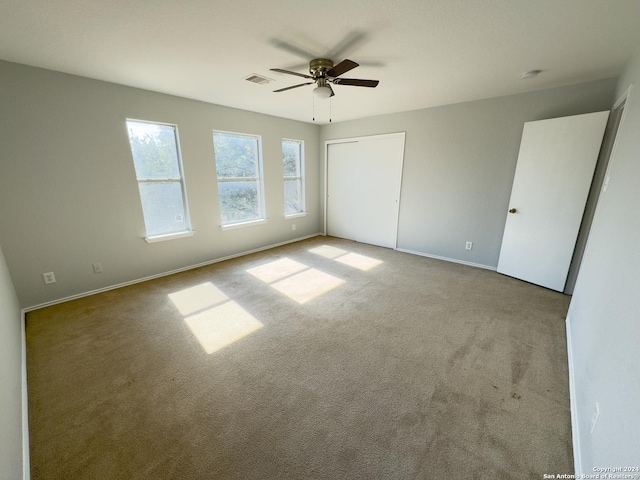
(323, 359)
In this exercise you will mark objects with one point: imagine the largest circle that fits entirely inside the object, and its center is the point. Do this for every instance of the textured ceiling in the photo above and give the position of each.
(425, 53)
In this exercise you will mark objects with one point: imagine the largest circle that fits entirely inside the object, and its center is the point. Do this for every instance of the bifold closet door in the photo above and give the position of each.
(342, 194)
(363, 188)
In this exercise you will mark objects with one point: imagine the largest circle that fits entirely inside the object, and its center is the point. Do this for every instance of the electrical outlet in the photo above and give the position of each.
(97, 268)
(293, 226)
(49, 277)
(595, 417)
(468, 246)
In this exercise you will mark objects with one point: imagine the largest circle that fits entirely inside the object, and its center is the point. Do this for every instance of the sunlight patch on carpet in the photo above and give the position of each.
(276, 270)
(197, 298)
(296, 280)
(218, 327)
(214, 319)
(328, 251)
(307, 285)
(361, 262)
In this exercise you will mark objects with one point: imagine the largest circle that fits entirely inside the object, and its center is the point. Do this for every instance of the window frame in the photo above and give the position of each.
(301, 178)
(168, 235)
(260, 194)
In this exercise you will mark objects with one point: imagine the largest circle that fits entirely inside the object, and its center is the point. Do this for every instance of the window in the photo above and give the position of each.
(156, 156)
(238, 167)
(293, 166)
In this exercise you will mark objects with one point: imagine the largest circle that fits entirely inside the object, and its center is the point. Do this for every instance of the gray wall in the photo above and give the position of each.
(460, 161)
(68, 191)
(604, 314)
(10, 378)
(68, 198)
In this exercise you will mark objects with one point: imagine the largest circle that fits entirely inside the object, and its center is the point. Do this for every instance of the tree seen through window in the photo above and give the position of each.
(156, 158)
(293, 166)
(237, 159)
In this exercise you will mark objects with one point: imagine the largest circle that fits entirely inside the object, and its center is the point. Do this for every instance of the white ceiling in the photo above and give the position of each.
(424, 52)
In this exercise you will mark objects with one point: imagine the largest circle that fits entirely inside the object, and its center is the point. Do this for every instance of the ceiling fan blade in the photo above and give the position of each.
(290, 73)
(291, 48)
(356, 82)
(295, 86)
(343, 67)
(348, 44)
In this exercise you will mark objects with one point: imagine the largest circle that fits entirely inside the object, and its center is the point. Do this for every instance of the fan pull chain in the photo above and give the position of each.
(314, 109)
(329, 109)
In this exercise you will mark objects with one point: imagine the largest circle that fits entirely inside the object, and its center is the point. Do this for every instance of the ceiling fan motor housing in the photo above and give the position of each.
(320, 66)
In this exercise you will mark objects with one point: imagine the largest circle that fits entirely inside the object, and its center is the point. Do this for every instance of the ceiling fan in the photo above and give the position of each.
(323, 73)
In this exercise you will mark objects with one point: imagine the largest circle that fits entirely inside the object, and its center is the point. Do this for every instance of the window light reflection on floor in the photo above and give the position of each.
(307, 285)
(193, 299)
(295, 280)
(272, 271)
(328, 251)
(214, 319)
(361, 262)
(217, 327)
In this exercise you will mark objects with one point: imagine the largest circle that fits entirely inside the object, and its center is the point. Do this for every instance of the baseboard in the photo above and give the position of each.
(575, 427)
(164, 274)
(447, 259)
(26, 459)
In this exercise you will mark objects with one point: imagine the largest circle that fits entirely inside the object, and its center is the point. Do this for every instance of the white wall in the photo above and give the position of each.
(68, 191)
(10, 378)
(604, 317)
(460, 161)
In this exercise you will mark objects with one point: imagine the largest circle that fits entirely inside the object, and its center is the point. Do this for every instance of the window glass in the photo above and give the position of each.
(158, 166)
(238, 167)
(293, 167)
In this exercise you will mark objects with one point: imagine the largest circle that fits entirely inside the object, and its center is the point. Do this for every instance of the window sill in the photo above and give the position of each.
(169, 236)
(296, 215)
(250, 223)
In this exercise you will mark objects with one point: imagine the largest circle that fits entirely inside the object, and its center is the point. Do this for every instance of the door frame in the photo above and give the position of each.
(358, 139)
(598, 188)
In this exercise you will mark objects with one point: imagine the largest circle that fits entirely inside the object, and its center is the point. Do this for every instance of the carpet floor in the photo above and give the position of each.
(321, 359)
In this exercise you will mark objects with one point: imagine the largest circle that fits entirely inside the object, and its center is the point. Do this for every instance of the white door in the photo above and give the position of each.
(342, 195)
(553, 175)
(363, 189)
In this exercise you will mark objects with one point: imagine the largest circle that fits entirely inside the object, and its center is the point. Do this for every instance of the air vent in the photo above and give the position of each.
(259, 79)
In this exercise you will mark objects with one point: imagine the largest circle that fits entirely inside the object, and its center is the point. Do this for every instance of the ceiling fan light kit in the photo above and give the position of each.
(323, 92)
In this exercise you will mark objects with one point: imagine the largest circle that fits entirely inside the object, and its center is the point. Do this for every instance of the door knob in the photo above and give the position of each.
(513, 210)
